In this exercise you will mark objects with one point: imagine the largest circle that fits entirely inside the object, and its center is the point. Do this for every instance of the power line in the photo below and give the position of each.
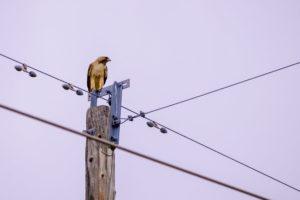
(215, 150)
(142, 114)
(220, 153)
(47, 74)
(222, 88)
(141, 155)
(227, 156)
(59, 79)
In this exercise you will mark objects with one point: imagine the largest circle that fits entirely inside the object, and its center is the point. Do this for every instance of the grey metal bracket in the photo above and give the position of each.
(107, 90)
(115, 94)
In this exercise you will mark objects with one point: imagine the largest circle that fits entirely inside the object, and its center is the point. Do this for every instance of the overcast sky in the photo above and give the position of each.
(170, 50)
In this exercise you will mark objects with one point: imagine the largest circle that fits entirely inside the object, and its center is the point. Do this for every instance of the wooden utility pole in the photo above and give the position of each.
(99, 158)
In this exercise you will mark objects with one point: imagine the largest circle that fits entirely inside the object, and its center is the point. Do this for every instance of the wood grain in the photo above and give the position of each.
(99, 159)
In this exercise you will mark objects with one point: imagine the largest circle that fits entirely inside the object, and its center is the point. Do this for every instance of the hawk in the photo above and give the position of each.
(97, 74)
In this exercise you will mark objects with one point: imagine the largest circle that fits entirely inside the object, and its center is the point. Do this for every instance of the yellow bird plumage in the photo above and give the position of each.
(97, 74)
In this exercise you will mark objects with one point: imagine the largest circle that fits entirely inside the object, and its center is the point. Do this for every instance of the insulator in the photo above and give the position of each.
(32, 74)
(163, 130)
(66, 86)
(79, 92)
(150, 124)
(18, 68)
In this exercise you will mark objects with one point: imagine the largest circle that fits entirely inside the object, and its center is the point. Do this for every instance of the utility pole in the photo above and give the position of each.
(100, 158)
(103, 122)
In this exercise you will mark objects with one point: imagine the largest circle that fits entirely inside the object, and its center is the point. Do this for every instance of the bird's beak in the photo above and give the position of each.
(108, 59)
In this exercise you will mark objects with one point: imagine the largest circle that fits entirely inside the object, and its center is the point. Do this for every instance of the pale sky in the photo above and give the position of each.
(170, 50)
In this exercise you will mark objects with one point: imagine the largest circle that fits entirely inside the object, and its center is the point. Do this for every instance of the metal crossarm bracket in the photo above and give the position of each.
(107, 90)
(115, 95)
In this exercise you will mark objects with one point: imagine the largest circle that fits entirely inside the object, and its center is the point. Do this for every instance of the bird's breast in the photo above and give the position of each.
(98, 70)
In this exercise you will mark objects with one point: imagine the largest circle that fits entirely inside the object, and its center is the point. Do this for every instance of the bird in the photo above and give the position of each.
(97, 74)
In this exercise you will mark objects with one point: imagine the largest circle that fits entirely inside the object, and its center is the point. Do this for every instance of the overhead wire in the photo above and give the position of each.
(142, 114)
(227, 156)
(222, 88)
(130, 151)
(59, 79)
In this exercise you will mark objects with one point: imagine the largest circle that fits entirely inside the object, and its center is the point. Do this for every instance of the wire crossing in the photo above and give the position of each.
(177, 132)
(223, 88)
(140, 155)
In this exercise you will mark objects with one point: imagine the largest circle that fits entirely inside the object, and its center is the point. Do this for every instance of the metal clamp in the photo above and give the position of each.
(115, 101)
(91, 131)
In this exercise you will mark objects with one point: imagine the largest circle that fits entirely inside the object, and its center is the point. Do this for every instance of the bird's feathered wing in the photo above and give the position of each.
(105, 74)
(89, 77)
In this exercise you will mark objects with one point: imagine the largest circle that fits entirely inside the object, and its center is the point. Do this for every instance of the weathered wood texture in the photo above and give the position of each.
(99, 158)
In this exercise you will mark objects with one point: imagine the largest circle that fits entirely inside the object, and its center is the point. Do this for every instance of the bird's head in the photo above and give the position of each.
(103, 59)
